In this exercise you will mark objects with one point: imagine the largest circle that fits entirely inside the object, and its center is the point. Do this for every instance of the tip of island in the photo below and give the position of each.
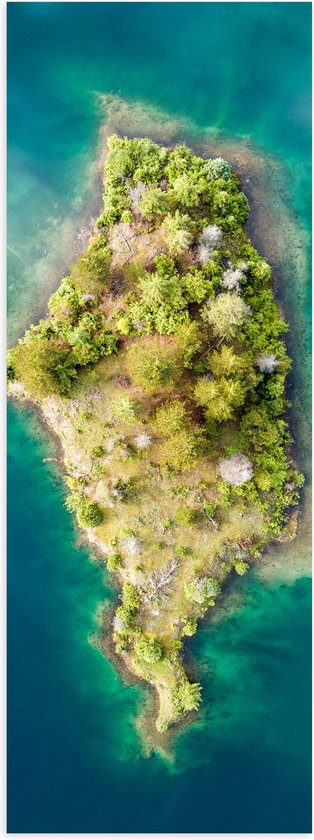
(161, 368)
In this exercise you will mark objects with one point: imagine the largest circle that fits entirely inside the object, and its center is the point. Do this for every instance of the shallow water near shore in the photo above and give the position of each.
(75, 759)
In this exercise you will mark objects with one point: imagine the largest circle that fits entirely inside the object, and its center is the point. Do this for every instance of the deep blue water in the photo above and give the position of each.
(75, 762)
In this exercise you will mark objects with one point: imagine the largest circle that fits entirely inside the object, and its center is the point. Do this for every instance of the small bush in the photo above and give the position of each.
(200, 590)
(241, 567)
(125, 408)
(148, 649)
(189, 627)
(97, 451)
(185, 516)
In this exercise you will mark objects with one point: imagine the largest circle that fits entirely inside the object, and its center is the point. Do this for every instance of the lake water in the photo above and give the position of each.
(75, 760)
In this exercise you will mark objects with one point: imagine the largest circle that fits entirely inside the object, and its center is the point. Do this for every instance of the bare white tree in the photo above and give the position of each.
(161, 578)
(267, 363)
(210, 238)
(231, 278)
(203, 254)
(136, 193)
(143, 440)
(131, 546)
(236, 470)
(118, 624)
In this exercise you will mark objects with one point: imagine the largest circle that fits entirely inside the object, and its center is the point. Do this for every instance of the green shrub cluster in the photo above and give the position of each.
(148, 649)
(88, 513)
(202, 589)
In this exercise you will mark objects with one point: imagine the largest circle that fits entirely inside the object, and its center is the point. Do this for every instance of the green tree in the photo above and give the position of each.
(158, 289)
(220, 397)
(225, 362)
(150, 366)
(125, 408)
(42, 365)
(171, 417)
(180, 451)
(197, 287)
(201, 589)
(241, 567)
(92, 269)
(189, 339)
(152, 203)
(217, 168)
(148, 649)
(189, 627)
(185, 697)
(67, 302)
(177, 231)
(88, 513)
(226, 314)
(184, 190)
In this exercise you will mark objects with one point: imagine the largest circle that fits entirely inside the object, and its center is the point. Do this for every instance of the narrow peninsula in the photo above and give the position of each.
(161, 367)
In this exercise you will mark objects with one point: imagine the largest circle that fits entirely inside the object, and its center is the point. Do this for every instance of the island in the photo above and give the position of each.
(161, 368)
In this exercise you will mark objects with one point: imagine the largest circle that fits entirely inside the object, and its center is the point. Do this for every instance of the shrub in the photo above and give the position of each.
(122, 489)
(241, 567)
(125, 408)
(114, 561)
(88, 513)
(148, 649)
(200, 590)
(189, 627)
(97, 451)
(185, 516)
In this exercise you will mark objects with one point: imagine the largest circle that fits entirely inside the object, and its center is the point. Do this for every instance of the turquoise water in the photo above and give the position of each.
(75, 762)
